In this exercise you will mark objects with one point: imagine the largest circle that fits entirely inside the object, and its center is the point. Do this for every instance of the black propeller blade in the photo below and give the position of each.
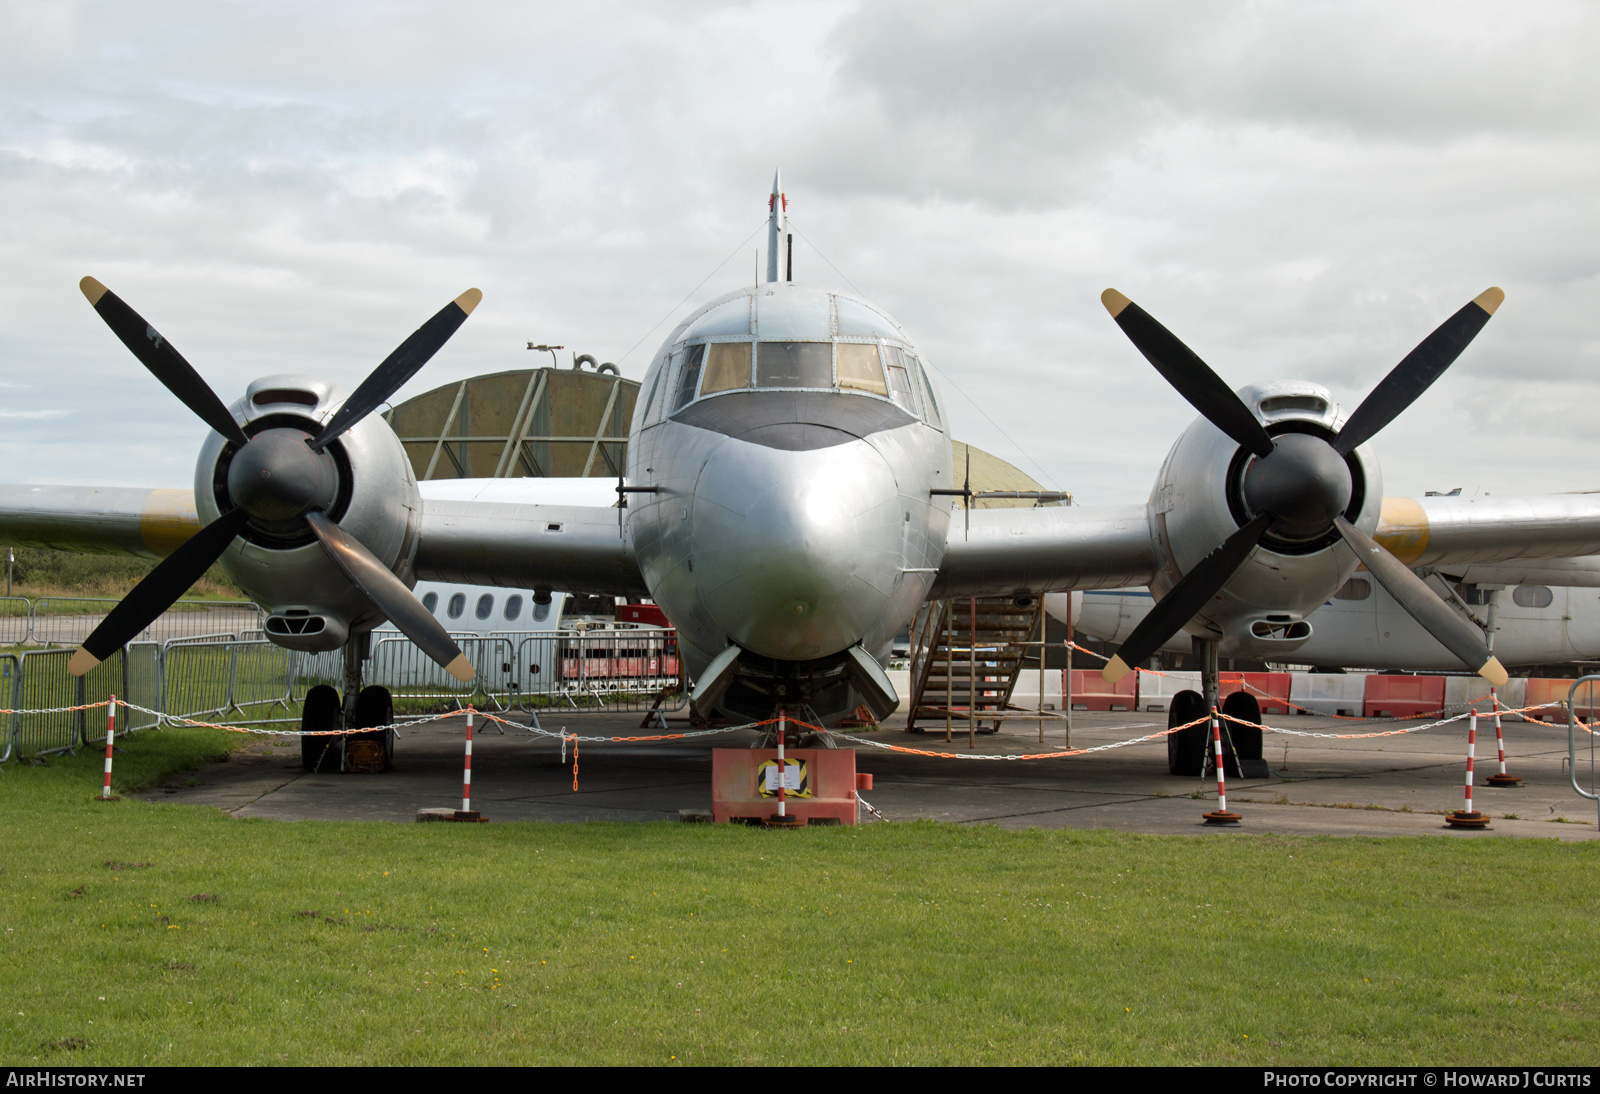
(276, 476)
(1417, 371)
(399, 366)
(390, 595)
(158, 591)
(1299, 484)
(163, 361)
(1192, 377)
(1454, 633)
(1186, 598)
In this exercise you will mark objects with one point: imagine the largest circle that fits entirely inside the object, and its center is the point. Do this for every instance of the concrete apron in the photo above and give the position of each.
(1379, 786)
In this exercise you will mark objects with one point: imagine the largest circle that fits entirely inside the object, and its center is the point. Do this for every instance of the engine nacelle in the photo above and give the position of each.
(310, 604)
(1198, 502)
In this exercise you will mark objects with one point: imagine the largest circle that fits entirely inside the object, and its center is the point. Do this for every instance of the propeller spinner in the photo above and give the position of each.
(279, 477)
(1299, 485)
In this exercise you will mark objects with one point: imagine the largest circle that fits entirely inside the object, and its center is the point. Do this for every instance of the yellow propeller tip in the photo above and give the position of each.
(1115, 670)
(82, 661)
(93, 290)
(469, 300)
(1114, 302)
(1494, 672)
(1489, 299)
(461, 669)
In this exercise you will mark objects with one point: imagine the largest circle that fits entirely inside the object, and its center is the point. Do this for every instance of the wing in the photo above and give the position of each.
(97, 520)
(1451, 532)
(1032, 551)
(560, 534)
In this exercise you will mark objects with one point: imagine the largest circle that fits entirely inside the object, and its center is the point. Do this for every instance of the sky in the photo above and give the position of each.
(1297, 190)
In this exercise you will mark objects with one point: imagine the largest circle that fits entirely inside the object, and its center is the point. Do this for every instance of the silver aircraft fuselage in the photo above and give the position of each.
(787, 439)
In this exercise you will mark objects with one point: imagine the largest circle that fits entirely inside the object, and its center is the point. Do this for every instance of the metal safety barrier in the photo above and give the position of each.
(249, 681)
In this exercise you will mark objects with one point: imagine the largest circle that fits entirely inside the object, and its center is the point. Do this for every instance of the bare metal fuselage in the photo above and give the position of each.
(792, 522)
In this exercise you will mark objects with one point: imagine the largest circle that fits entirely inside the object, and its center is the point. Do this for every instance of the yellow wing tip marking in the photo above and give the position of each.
(461, 668)
(1489, 299)
(1494, 672)
(1115, 302)
(469, 300)
(92, 290)
(1115, 670)
(82, 661)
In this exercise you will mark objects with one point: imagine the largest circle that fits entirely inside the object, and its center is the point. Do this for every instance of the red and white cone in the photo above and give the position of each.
(1469, 817)
(1501, 778)
(1220, 815)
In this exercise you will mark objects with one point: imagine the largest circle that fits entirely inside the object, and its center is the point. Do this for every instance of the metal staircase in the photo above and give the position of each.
(966, 655)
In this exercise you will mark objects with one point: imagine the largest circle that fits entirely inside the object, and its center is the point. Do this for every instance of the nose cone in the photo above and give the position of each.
(796, 554)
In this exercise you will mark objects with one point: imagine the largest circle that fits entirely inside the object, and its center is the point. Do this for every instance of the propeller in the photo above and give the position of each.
(1299, 485)
(280, 477)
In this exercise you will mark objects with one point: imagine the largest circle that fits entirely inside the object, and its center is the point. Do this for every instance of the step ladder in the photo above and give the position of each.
(966, 655)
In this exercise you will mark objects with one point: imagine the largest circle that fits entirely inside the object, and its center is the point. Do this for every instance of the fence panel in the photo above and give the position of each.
(197, 677)
(16, 619)
(142, 685)
(9, 679)
(46, 683)
(616, 671)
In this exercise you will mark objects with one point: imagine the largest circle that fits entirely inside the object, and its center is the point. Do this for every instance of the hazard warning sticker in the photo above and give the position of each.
(796, 779)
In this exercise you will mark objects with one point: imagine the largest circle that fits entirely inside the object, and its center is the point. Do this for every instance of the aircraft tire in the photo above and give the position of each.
(319, 712)
(375, 708)
(1245, 739)
(1186, 749)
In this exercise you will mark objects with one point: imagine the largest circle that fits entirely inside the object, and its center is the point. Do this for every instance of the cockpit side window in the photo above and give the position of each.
(652, 407)
(900, 382)
(727, 367)
(794, 364)
(859, 369)
(689, 377)
(935, 418)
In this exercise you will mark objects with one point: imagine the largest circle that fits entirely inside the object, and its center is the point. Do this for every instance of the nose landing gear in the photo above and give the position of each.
(363, 708)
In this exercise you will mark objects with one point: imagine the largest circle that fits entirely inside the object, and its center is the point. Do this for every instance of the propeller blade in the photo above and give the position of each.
(1191, 376)
(157, 592)
(1186, 598)
(1412, 376)
(1454, 633)
(390, 595)
(164, 362)
(399, 366)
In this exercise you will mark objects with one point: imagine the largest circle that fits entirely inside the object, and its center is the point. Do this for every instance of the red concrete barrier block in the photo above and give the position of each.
(821, 784)
(1403, 696)
(1271, 689)
(1091, 692)
(1551, 694)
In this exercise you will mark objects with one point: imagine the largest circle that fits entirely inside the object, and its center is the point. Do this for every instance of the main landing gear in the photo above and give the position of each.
(363, 708)
(1189, 750)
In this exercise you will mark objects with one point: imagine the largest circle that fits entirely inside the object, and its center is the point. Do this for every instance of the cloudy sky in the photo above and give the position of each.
(1298, 189)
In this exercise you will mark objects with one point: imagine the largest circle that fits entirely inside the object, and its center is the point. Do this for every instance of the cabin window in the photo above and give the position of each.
(727, 367)
(1532, 596)
(859, 369)
(794, 364)
(485, 606)
(458, 604)
(689, 377)
(513, 607)
(431, 602)
(1357, 588)
(541, 612)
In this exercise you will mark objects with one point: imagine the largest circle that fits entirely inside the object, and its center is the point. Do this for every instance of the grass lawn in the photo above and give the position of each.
(142, 933)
